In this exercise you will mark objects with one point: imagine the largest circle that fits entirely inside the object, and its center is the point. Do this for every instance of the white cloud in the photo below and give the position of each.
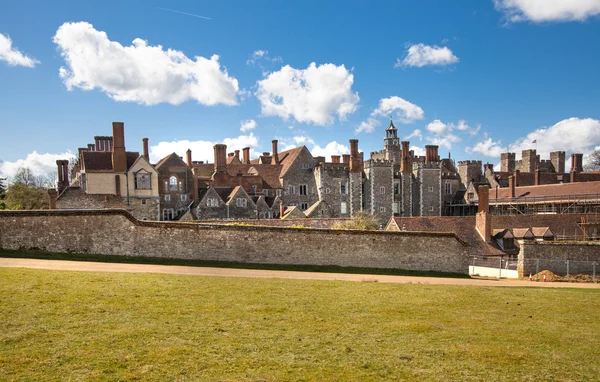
(438, 127)
(367, 126)
(332, 148)
(573, 135)
(140, 72)
(487, 147)
(247, 125)
(201, 150)
(303, 140)
(419, 151)
(404, 111)
(420, 55)
(12, 56)
(539, 11)
(415, 134)
(259, 55)
(444, 133)
(313, 95)
(39, 164)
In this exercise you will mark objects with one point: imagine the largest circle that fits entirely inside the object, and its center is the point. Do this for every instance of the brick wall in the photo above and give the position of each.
(115, 232)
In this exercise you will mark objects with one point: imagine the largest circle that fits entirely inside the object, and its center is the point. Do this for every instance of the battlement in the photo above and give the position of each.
(470, 162)
(425, 165)
(378, 163)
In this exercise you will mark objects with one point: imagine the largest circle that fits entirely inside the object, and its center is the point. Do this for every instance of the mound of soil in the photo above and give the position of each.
(550, 276)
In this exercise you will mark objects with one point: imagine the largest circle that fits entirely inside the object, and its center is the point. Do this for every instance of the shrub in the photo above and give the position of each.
(362, 221)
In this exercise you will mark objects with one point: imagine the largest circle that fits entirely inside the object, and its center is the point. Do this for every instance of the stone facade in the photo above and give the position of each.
(117, 233)
(552, 256)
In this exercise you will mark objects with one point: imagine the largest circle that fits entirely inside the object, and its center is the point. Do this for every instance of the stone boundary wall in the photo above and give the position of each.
(116, 232)
(554, 254)
(324, 223)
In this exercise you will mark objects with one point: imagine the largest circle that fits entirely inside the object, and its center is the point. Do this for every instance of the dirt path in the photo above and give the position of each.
(85, 266)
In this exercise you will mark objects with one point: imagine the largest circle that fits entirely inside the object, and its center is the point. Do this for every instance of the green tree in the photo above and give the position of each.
(22, 197)
(362, 221)
(2, 188)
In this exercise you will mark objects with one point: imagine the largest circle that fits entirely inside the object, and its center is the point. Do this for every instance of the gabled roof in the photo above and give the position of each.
(269, 173)
(522, 233)
(287, 158)
(293, 212)
(502, 234)
(170, 158)
(542, 232)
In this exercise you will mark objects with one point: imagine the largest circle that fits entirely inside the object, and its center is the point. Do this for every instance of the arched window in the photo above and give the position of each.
(173, 183)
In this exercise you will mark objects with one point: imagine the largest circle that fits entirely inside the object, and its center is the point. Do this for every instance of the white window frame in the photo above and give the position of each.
(143, 181)
(183, 197)
(173, 183)
(381, 209)
(291, 190)
(343, 189)
(212, 202)
(167, 198)
(382, 190)
(448, 188)
(241, 202)
(430, 209)
(279, 191)
(303, 187)
(343, 208)
(303, 206)
(396, 208)
(328, 190)
(430, 188)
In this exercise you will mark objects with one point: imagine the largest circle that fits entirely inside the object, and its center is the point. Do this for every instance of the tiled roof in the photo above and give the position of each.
(97, 161)
(542, 232)
(521, 233)
(548, 190)
(204, 170)
(287, 158)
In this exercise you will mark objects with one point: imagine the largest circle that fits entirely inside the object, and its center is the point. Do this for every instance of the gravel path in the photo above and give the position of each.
(86, 266)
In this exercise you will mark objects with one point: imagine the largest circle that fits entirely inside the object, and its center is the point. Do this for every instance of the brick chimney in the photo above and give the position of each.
(405, 163)
(97, 143)
(237, 154)
(90, 147)
(188, 157)
(281, 211)
(537, 176)
(119, 158)
(355, 159)
(483, 220)
(60, 174)
(346, 158)
(109, 143)
(220, 158)
(52, 196)
(511, 186)
(195, 190)
(66, 173)
(275, 152)
(146, 152)
(246, 153)
(431, 153)
(516, 174)
(335, 159)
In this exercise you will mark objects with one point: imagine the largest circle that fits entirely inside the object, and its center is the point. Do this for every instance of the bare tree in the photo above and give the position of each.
(593, 161)
(25, 176)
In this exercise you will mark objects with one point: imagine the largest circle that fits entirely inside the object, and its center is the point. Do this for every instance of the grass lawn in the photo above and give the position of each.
(57, 325)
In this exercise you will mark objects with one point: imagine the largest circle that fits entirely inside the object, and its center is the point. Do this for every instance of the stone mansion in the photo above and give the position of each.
(292, 183)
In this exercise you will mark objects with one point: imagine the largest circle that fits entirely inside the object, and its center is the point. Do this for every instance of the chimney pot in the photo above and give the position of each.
(145, 145)
(246, 153)
(275, 152)
(335, 159)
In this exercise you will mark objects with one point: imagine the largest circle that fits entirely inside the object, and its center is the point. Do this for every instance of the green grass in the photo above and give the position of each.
(59, 325)
(222, 264)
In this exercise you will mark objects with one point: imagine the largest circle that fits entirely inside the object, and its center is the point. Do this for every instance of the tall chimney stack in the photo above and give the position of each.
(405, 163)
(537, 175)
(335, 159)
(511, 186)
(119, 158)
(220, 158)
(237, 154)
(146, 152)
(52, 196)
(275, 153)
(65, 173)
(97, 143)
(246, 153)
(483, 220)
(346, 158)
(188, 157)
(60, 175)
(355, 160)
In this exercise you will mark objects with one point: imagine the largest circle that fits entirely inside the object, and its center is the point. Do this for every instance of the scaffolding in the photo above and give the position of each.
(554, 204)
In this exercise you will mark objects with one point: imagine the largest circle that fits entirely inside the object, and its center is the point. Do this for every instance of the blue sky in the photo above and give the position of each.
(474, 76)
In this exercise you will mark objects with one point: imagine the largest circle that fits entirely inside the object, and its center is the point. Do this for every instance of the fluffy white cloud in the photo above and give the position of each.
(367, 126)
(415, 134)
(247, 125)
(140, 72)
(420, 55)
(487, 147)
(538, 11)
(438, 127)
(201, 150)
(39, 164)
(401, 109)
(404, 111)
(332, 148)
(312, 95)
(443, 134)
(12, 56)
(573, 135)
(419, 151)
